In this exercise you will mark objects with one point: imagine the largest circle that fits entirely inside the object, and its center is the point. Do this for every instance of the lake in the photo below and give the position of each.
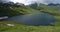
(35, 19)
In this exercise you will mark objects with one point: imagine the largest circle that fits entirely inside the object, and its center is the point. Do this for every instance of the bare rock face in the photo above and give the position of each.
(35, 19)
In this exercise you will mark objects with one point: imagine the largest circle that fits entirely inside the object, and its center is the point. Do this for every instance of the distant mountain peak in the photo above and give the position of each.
(52, 4)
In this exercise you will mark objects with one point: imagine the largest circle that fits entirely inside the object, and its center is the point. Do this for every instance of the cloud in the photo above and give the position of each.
(4, 1)
(38, 1)
(27, 2)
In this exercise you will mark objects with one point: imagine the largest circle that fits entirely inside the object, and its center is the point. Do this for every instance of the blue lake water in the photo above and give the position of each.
(34, 19)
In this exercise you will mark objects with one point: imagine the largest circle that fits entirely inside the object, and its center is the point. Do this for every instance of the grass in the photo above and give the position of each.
(57, 17)
(57, 23)
(23, 28)
(30, 29)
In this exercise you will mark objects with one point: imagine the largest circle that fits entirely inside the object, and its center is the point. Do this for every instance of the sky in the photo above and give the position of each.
(27, 2)
(4, 1)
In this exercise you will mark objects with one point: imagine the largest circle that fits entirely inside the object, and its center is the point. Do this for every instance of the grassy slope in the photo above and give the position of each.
(30, 29)
(24, 9)
(19, 27)
(15, 10)
(53, 10)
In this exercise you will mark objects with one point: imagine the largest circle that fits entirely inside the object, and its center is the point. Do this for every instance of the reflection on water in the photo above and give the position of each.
(34, 19)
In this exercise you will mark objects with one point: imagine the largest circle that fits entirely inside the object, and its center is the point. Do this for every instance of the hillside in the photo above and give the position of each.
(50, 9)
(19, 27)
(11, 9)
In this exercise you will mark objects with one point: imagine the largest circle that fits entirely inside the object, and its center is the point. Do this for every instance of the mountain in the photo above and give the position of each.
(14, 9)
(53, 9)
(52, 4)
